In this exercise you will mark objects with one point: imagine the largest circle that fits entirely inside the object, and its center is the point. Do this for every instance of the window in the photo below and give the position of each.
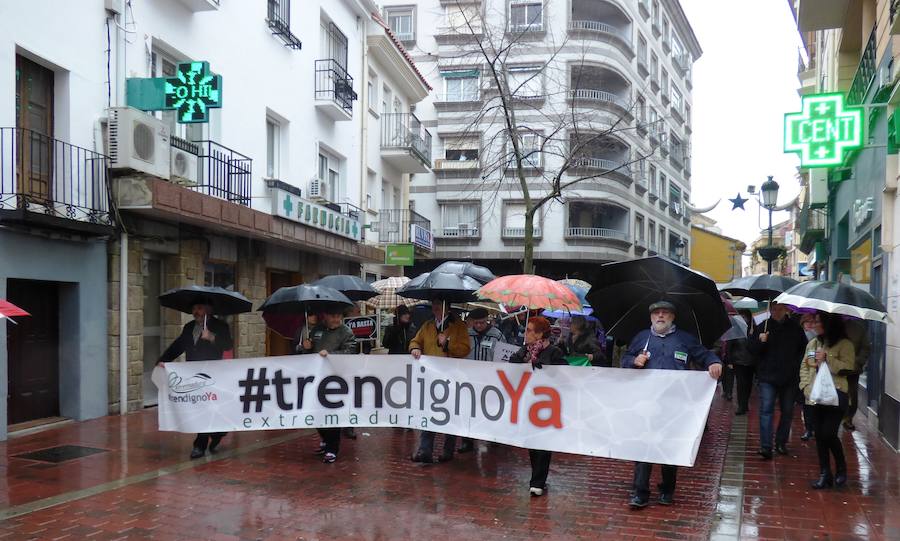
(385, 100)
(402, 21)
(642, 50)
(163, 65)
(651, 233)
(460, 85)
(653, 180)
(687, 114)
(642, 110)
(273, 148)
(665, 83)
(334, 44)
(462, 149)
(655, 12)
(330, 176)
(676, 99)
(463, 19)
(665, 31)
(654, 120)
(530, 147)
(514, 220)
(662, 239)
(654, 67)
(677, 49)
(639, 228)
(525, 82)
(526, 16)
(662, 186)
(373, 91)
(459, 219)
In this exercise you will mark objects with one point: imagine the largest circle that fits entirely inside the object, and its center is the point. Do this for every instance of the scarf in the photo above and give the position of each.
(670, 331)
(534, 349)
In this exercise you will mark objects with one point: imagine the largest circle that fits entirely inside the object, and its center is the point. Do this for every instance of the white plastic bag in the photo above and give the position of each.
(823, 392)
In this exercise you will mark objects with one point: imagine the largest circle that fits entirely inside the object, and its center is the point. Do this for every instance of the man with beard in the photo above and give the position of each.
(664, 347)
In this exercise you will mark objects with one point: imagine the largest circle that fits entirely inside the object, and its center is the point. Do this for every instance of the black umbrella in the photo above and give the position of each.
(462, 268)
(304, 298)
(834, 298)
(354, 287)
(624, 291)
(762, 287)
(223, 301)
(444, 286)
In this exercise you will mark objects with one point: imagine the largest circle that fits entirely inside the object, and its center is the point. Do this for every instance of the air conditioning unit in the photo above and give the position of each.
(318, 190)
(184, 167)
(138, 142)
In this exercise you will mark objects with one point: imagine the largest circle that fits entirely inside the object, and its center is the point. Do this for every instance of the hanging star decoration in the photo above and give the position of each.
(738, 202)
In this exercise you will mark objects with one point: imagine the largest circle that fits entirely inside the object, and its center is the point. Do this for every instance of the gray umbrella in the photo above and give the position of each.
(304, 298)
(223, 301)
(440, 285)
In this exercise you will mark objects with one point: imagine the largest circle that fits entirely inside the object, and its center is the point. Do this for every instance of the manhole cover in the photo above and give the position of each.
(61, 453)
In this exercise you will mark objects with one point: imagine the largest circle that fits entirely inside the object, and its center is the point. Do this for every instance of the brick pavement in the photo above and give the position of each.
(268, 485)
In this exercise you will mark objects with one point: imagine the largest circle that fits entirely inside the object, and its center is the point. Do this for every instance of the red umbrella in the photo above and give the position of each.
(534, 292)
(8, 309)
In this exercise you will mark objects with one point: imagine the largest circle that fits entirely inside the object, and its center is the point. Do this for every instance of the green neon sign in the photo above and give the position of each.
(192, 92)
(823, 131)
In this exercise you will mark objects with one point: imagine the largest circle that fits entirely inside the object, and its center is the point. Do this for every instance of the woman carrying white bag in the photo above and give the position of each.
(828, 357)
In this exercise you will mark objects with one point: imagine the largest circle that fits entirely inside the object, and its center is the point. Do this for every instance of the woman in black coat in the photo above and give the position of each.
(538, 351)
(397, 336)
(583, 341)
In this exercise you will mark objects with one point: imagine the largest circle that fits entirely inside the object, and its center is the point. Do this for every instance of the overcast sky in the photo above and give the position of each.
(744, 83)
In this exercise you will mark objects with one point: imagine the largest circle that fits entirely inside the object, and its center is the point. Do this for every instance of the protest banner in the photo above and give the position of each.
(655, 416)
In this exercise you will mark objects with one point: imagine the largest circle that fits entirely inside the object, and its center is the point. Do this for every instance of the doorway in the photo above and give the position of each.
(33, 352)
(275, 343)
(153, 325)
(34, 133)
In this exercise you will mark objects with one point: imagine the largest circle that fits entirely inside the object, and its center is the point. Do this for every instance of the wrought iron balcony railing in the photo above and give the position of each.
(334, 83)
(279, 17)
(393, 225)
(224, 173)
(40, 174)
(865, 72)
(405, 131)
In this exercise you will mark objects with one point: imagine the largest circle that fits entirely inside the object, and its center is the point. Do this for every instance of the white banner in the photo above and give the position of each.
(655, 416)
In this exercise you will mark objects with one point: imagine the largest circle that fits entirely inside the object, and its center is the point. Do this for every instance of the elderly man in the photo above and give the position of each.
(664, 347)
(203, 339)
(330, 336)
(779, 345)
(483, 336)
(444, 336)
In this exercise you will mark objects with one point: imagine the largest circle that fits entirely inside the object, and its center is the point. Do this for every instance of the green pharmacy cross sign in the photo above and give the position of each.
(823, 131)
(192, 92)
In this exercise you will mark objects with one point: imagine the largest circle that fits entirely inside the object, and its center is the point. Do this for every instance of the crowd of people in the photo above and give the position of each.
(781, 354)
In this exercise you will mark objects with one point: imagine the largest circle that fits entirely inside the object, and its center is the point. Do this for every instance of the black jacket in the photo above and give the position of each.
(778, 360)
(203, 350)
(396, 338)
(586, 343)
(550, 355)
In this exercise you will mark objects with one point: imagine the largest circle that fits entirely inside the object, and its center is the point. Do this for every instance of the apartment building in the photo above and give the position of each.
(622, 67)
(268, 167)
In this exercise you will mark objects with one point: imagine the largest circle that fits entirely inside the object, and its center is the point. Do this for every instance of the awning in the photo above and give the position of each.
(460, 74)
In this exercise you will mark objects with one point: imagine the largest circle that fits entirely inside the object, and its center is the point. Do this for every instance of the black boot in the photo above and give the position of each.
(825, 480)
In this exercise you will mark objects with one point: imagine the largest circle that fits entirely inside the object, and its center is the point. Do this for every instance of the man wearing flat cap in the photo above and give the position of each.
(664, 347)
(483, 336)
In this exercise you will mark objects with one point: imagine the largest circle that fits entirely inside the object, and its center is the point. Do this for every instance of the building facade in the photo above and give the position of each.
(622, 68)
(846, 220)
(714, 254)
(105, 206)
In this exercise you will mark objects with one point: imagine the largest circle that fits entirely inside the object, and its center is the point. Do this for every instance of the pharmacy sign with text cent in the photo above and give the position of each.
(823, 131)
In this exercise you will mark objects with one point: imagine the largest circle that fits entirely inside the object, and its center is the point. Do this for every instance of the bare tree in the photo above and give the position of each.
(553, 129)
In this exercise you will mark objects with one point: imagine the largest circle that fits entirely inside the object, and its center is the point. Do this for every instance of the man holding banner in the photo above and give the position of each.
(444, 336)
(664, 347)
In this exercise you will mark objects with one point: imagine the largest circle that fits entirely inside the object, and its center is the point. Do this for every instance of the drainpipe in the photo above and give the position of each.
(123, 238)
(364, 124)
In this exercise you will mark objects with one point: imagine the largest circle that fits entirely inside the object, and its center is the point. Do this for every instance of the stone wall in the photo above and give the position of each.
(251, 281)
(135, 324)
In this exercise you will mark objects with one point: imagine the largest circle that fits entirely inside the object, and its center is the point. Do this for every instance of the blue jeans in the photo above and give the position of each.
(768, 394)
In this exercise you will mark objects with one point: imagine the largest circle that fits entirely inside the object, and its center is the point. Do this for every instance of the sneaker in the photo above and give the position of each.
(807, 435)
(536, 491)
(666, 499)
(329, 458)
(636, 502)
(321, 449)
(197, 452)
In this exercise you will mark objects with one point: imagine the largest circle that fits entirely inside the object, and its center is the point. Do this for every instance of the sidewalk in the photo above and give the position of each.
(268, 485)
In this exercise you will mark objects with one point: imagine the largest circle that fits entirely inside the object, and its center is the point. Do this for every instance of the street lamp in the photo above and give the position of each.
(679, 251)
(769, 191)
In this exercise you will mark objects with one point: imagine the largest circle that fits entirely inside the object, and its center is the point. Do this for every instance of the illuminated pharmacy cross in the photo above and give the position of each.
(193, 91)
(823, 131)
(288, 205)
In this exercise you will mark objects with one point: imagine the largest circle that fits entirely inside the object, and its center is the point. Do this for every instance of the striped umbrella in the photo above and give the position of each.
(387, 298)
(533, 292)
(576, 282)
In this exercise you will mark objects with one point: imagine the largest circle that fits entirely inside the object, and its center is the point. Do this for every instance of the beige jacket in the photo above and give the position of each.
(839, 357)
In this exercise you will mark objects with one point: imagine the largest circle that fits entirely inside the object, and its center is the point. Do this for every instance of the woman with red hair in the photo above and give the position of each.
(538, 351)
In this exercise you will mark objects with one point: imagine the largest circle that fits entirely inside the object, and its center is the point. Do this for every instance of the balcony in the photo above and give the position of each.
(403, 226)
(461, 231)
(224, 173)
(600, 156)
(821, 14)
(279, 18)
(654, 192)
(458, 101)
(806, 72)
(620, 37)
(455, 168)
(405, 144)
(519, 232)
(197, 6)
(640, 183)
(598, 221)
(865, 72)
(644, 8)
(812, 224)
(334, 90)
(601, 99)
(682, 62)
(654, 82)
(51, 183)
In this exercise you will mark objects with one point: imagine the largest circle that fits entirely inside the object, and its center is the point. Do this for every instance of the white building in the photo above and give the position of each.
(617, 63)
(278, 187)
